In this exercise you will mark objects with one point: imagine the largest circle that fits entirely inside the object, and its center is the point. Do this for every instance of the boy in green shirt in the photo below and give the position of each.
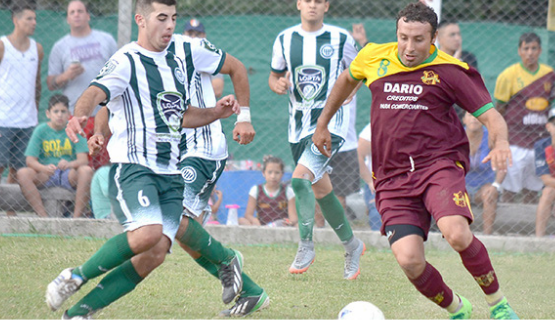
(54, 161)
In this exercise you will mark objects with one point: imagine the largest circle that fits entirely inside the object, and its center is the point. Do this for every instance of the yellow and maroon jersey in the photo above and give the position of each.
(528, 97)
(412, 116)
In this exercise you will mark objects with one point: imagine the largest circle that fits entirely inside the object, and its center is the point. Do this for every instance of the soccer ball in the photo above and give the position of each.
(360, 310)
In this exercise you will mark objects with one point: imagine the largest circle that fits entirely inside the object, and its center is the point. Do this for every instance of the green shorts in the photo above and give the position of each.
(141, 197)
(200, 176)
(306, 153)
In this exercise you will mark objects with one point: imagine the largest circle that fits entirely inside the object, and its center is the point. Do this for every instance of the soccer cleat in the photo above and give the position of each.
(465, 311)
(63, 287)
(304, 258)
(247, 305)
(502, 310)
(352, 261)
(88, 316)
(230, 276)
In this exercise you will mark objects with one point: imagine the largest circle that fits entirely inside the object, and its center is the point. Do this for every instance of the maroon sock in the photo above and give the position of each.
(476, 260)
(431, 285)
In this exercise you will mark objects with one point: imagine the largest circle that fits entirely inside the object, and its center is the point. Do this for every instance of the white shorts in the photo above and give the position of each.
(522, 175)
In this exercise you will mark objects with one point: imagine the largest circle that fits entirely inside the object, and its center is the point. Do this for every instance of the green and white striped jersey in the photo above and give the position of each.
(315, 60)
(203, 60)
(147, 94)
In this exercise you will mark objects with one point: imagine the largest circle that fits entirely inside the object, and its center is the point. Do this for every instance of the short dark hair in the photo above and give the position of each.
(445, 23)
(143, 6)
(528, 37)
(18, 7)
(419, 12)
(58, 98)
(86, 5)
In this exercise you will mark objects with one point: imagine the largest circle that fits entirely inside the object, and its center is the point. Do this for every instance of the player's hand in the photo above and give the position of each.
(359, 34)
(283, 84)
(95, 143)
(322, 140)
(243, 132)
(75, 126)
(500, 156)
(227, 106)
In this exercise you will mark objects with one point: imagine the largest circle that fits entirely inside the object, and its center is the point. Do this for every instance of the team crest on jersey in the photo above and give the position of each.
(209, 46)
(107, 69)
(460, 199)
(430, 77)
(315, 150)
(326, 51)
(309, 81)
(171, 108)
(189, 174)
(179, 75)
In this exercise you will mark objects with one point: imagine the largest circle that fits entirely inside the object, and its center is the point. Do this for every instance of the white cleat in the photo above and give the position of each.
(63, 287)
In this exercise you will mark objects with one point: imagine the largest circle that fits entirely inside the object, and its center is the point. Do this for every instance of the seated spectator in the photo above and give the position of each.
(273, 201)
(365, 167)
(214, 201)
(100, 201)
(544, 151)
(54, 161)
(482, 183)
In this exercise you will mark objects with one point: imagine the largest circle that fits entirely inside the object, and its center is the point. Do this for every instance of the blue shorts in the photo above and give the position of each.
(59, 179)
(13, 142)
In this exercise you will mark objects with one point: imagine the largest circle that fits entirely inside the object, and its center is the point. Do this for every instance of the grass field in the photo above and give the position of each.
(180, 289)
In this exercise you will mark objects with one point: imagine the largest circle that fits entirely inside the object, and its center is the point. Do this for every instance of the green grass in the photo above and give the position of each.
(181, 289)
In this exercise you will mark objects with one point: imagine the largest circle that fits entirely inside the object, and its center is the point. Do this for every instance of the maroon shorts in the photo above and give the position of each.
(415, 197)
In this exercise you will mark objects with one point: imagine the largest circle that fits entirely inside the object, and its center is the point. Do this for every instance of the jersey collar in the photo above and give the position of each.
(433, 55)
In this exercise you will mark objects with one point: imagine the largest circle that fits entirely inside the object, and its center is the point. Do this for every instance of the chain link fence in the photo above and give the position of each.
(247, 29)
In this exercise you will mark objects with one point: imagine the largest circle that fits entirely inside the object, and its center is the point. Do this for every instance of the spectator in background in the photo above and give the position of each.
(273, 201)
(20, 87)
(305, 68)
(214, 201)
(524, 92)
(76, 59)
(100, 200)
(365, 167)
(195, 29)
(450, 41)
(53, 160)
(482, 183)
(544, 150)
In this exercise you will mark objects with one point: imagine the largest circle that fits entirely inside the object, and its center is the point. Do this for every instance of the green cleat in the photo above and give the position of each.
(247, 305)
(502, 310)
(465, 312)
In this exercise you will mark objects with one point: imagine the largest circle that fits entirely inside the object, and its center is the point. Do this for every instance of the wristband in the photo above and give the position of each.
(497, 186)
(245, 115)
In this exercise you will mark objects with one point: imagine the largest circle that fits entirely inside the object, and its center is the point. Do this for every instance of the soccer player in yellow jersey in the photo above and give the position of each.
(420, 153)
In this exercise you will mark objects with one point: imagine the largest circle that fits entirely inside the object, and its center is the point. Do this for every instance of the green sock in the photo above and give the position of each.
(196, 238)
(113, 253)
(305, 204)
(115, 285)
(333, 211)
(250, 288)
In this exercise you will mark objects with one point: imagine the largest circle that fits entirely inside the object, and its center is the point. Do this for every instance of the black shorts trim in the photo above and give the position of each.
(397, 231)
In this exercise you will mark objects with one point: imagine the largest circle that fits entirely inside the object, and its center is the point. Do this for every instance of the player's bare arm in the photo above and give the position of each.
(500, 154)
(197, 117)
(101, 131)
(243, 131)
(343, 87)
(90, 98)
(38, 83)
(279, 82)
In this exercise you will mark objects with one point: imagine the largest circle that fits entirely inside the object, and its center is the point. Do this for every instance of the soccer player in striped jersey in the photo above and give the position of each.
(306, 61)
(146, 89)
(420, 153)
(203, 157)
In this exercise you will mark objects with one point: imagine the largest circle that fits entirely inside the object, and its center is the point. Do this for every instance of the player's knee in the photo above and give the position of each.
(459, 237)
(144, 238)
(412, 264)
(301, 186)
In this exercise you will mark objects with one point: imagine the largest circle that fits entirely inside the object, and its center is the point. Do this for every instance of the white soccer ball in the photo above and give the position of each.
(360, 310)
